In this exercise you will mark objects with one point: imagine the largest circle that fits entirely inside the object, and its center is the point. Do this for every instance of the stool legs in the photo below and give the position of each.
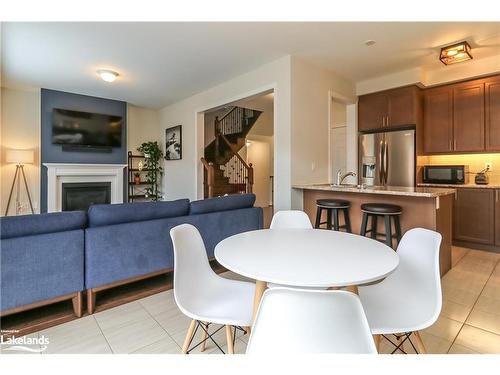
(329, 219)
(374, 227)
(319, 210)
(388, 230)
(364, 224)
(397, 227)
(347, 220)
(336, 220)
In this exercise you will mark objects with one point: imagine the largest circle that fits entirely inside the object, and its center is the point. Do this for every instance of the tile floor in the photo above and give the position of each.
(469, 321)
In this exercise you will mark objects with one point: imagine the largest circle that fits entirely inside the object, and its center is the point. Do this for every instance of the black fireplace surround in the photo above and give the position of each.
(79, 196)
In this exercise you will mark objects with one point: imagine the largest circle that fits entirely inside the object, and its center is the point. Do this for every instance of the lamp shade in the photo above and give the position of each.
(20, 156)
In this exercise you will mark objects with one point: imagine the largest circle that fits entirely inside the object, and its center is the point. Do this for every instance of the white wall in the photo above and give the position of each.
(311, 95)
(183, 178)
(142, 126)
(20, 129)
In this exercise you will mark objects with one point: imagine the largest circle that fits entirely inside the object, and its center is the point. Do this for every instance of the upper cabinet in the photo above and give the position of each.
(388, 109)
(492, 113)
(463, 117)
(438, 120)
(468, 116)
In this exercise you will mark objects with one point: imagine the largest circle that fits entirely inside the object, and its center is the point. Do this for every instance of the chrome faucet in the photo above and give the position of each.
(341, 177)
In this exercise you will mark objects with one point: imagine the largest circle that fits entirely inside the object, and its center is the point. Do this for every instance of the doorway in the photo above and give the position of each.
(233, 146)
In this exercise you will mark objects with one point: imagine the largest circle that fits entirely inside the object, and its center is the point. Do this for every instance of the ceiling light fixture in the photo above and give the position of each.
(370, 42)
(455, 53)
(107, 75)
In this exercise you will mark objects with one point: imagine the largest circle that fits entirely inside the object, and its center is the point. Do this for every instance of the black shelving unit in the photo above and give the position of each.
(137, 192)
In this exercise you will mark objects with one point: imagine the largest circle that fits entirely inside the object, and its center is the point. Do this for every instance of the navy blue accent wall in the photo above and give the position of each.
(52, 153)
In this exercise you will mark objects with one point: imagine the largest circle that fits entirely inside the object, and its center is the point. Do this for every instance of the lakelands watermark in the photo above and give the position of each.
(35, 344)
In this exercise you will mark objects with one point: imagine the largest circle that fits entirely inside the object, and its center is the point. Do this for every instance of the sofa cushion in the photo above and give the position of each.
(110, 214)
(30, 225)
(226, 203)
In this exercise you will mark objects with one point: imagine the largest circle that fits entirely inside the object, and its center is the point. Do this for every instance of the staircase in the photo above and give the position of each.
(225, 170)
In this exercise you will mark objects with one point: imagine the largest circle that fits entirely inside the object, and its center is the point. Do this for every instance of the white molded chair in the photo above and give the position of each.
(204, 296)
(299, 321)
(409, 299)
(290, 219)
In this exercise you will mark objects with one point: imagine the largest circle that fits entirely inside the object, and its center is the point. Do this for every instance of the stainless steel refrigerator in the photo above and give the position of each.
(387, 158)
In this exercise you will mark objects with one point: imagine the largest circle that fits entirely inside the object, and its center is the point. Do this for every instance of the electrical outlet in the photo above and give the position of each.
(489, 165)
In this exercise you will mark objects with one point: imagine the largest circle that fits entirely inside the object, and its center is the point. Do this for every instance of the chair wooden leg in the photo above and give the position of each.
(77, 304)
(229, 339)
(247, 330)
(90, 301)
(204, 337)
(420, 343)
(189, 335)
(260, 288)
(376, 339)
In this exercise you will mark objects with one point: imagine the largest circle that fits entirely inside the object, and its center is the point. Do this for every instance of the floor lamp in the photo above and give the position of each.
(19, 157)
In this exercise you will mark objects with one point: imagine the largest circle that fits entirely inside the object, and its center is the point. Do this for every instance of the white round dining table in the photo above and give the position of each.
(305, 258)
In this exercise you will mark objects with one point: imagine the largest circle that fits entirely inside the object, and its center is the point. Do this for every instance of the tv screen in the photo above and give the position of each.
(86, 129)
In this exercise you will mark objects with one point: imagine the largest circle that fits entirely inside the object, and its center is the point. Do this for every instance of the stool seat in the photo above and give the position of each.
(381, 208)
(333, 203)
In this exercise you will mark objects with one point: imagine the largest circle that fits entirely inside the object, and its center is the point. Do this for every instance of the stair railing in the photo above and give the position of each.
(233, 122)
(243, 171)
(209, 177)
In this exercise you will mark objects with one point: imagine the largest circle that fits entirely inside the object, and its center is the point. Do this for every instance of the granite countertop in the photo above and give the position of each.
(425, 192)
(489, 186)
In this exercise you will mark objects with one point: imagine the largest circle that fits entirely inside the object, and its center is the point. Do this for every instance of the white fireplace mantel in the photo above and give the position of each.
(59, 173)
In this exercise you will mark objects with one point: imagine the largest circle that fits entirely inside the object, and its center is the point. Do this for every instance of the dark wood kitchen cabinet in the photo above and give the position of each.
(391, 108)
(492, 113)
(474, 216)
(468, 116)
(438, 120)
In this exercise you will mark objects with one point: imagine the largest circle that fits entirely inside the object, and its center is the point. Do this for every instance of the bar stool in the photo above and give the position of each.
(387, 211)
(332, 207)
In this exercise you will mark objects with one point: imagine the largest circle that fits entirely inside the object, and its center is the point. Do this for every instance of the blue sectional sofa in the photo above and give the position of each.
(42, 260)
(127, 242)
(51, 257)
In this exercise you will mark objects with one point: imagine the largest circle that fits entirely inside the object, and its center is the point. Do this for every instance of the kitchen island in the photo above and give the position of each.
(424, 207)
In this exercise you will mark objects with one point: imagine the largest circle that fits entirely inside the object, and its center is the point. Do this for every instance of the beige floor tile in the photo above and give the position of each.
(173, 322)
(488, 304)
(460, 349)
(135, 335)
(434, 344)
(445, 328)
(159, 303)
(19, 348)
(479, 340)
(80, 336)
(483, 269)
(163, 346)
(457, 253)
(484, 320)
(121, 316)
(387, 348)
(491, 290)
(455, 311)
(460, 296)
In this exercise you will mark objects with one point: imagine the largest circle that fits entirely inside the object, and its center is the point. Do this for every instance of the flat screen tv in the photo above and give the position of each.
(85, 129)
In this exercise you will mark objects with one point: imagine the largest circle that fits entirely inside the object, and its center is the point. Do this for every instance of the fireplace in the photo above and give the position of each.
(80, 195)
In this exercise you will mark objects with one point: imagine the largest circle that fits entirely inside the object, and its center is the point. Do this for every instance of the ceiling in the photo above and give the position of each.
(160, 63)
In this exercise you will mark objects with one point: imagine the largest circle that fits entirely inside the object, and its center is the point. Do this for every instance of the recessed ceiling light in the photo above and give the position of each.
(370, 42)
(107, 75)
(455, 53)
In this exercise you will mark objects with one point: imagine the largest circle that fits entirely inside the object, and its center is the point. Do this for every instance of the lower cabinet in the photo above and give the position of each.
(474, 216)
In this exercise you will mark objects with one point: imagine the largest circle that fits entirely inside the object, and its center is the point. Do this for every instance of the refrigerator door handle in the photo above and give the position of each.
(386, 162)
(381, 158)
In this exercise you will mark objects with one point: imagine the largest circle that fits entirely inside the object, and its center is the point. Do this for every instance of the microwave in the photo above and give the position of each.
(446, 174)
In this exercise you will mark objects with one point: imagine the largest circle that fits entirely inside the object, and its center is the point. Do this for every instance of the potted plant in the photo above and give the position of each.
(153, 155)
(137, 178)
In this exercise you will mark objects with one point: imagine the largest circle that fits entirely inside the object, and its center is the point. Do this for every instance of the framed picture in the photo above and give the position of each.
(173, 143)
